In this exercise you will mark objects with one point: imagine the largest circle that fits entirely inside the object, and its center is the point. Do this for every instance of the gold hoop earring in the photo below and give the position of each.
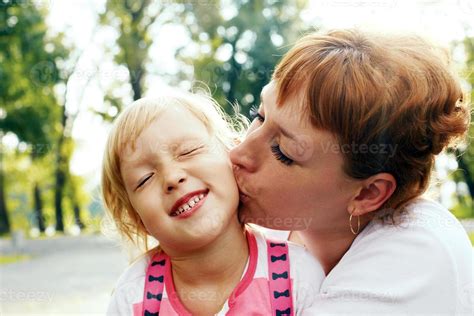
(358, 224)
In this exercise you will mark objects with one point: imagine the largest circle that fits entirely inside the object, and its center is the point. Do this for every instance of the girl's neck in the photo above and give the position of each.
(328, 246)
(215, 262)
(205, 279)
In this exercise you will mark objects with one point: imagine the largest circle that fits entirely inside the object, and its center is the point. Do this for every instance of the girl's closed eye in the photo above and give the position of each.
(188, 152)
(143, 181)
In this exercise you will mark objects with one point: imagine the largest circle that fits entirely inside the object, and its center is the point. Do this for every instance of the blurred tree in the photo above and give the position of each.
(238, 43)
(28, 73)
(132, 19)
(465, 159)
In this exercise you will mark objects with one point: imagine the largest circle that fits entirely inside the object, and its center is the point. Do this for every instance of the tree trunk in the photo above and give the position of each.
(233, 74)
(58, 192)
(77, 215)
(4, 221)
(59, 174)
(38, 208)
(467, 174)
(136, 80)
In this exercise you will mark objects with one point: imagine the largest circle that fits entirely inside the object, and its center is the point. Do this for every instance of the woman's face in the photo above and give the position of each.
(290, 174)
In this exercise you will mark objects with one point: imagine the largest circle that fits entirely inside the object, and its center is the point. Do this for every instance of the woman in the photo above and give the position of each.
(341, 151)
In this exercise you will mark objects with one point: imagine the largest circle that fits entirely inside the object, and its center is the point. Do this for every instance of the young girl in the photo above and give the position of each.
(167, 174)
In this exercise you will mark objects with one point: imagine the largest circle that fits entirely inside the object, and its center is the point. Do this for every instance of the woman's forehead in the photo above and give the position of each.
(292, 112)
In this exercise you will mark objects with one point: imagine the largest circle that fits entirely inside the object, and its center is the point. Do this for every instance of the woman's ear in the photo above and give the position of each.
(372, 194)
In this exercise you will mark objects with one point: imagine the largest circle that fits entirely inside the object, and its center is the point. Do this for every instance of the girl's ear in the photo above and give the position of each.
(373, 193)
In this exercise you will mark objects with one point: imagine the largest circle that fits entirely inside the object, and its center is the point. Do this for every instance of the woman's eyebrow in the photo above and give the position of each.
(285, 132)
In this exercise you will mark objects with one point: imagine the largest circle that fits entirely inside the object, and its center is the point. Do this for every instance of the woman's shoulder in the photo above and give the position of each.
(423, 221)
(424, 260)
(425, 230)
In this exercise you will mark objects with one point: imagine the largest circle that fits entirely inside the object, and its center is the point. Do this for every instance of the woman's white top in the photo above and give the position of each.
(422, 266)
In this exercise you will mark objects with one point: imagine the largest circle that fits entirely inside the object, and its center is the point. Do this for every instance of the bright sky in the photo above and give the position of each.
(443, 21)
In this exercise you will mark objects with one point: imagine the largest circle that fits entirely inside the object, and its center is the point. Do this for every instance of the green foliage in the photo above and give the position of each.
(465, 158)
(132, 20)
(471, 237)
(463, 209)
(236, 56)
(28, 73)
(7, 259)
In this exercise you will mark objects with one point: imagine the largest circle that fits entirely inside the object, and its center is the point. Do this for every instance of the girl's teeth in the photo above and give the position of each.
(190, 204)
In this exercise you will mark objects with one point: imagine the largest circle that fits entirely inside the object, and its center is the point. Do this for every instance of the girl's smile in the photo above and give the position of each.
(189, 204)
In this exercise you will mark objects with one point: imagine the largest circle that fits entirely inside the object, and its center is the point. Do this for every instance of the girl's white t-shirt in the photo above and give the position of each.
(423, 266)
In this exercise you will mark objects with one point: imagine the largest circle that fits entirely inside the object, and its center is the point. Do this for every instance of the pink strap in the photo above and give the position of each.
(154, 284)
(281, 294)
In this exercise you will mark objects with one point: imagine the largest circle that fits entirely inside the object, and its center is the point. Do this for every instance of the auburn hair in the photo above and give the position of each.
(387, 91)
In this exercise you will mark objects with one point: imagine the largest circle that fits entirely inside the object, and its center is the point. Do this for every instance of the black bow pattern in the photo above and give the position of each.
(157, 297)
(283, 275)
(283, 312)
(272, 244)
(147, 313)
(277, 294)
(282, 258)
(161, 263)
(152, 278)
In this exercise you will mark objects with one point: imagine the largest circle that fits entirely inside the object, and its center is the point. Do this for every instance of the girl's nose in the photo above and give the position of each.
(173, 179)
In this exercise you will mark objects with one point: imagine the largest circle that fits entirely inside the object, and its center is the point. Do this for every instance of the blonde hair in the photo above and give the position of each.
(378, 90)
(127, 128)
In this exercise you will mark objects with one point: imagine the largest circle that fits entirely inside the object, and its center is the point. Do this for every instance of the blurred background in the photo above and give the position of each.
(68, 67)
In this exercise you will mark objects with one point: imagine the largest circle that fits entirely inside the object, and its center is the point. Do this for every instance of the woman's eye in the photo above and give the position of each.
(142, 182)
(253, 112)
(279, 155)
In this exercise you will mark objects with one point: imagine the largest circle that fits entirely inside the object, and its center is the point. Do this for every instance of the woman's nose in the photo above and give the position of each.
(243, 156)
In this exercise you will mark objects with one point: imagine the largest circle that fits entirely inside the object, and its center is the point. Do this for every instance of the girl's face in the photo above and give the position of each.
(179, 179)
(289, 173)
